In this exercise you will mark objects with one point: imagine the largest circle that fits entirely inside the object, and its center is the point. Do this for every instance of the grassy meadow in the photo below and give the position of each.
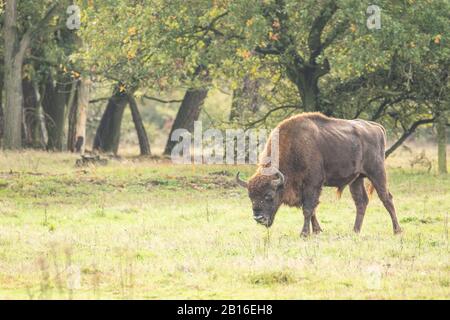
(147, 229)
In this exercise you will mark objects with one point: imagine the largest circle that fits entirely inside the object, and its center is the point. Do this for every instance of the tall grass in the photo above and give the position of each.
(146, 229)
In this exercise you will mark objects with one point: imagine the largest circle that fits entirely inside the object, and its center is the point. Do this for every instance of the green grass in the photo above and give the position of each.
(143, 229)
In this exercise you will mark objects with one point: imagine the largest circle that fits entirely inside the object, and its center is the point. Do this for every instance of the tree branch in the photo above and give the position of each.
(337, 31)
(31, 33)
(161, 100)
(264, 118)
(357, 83)
(99, 100)
(285, 44)
(406, 135)
(267, 51)
(386, 103)
(314, 40)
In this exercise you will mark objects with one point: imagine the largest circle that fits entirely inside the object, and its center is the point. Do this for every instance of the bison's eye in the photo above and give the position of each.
(268, 198)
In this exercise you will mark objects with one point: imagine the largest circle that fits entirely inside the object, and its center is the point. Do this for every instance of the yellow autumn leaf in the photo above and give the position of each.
(201, 44)
(276, 24)
(132, 31)
(131, 54)
(243, 53)
(437, 39)
(274, 36)
(214, 12)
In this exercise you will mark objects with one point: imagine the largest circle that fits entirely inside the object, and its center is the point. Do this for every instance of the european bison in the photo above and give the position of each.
(316, 151)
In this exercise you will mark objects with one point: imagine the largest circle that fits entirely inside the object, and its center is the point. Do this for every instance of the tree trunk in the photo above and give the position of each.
(308, 88)
(1, 109)
(72, 117)
(84, 88)
(54, 103)
(13, 105)
(76, 139)
(144, 143)
(306, 79)
(31, 125)
(40, 118)
(14, 51)
(441, 124)
(245, 99)
(107, 136)
(188, 113)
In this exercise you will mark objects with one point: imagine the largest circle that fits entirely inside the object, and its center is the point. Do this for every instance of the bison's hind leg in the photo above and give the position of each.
(361, 200)
(379, 181)
(315, 224)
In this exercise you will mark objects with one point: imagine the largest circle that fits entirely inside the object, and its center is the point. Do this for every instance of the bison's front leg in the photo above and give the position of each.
(310, 198)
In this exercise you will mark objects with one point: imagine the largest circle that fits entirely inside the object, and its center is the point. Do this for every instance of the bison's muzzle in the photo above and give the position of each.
(260, 218)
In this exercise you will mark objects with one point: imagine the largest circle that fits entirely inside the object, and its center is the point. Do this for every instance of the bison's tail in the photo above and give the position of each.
(370, 188)
(339, 192)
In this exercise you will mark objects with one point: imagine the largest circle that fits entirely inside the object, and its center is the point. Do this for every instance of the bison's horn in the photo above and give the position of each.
(281, 179)
(241, 182)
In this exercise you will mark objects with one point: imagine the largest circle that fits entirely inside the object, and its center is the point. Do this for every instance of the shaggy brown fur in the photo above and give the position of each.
(316, 151)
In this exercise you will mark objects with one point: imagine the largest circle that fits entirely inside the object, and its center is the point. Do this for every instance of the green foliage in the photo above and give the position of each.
(159, 47)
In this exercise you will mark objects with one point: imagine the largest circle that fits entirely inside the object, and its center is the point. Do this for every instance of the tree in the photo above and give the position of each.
(16, 46)
(58, 75)
(338, 66)
(76, 139)
(144, 144)
(441, 125)
(188, 113)
(31, 126)
(56, 94)
(107, 136)
(1, 111)
(155, 51)
(128, 66)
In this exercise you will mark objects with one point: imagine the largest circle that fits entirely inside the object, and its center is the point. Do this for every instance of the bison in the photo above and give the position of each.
(316, 151)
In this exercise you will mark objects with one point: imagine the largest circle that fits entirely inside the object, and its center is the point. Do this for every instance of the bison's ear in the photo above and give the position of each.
(279, 182)
(241, 182)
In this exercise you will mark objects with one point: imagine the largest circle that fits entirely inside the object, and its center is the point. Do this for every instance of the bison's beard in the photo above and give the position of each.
(268, 220)
(271, 220)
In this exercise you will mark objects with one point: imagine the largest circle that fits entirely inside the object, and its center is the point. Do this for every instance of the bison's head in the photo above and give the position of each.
(265, 192)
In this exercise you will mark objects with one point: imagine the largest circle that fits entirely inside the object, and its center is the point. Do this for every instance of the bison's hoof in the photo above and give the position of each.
(398, 231)
(304, 234)
(317, 231)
